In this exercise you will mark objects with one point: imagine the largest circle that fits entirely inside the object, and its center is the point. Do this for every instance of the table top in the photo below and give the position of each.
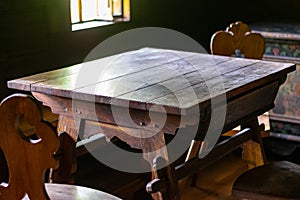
(142, 78)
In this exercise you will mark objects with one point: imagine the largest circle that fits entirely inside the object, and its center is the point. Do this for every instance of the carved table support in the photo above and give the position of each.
(156, 153)
(66, 152)
(253, 150)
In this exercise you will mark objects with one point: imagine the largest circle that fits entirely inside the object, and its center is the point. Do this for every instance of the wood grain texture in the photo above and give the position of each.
(140, 78)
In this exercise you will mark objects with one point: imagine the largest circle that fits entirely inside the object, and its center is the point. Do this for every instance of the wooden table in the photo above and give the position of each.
(142, 95)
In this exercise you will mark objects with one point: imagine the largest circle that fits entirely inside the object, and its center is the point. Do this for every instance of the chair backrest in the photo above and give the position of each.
(28, 144)
(238, 40)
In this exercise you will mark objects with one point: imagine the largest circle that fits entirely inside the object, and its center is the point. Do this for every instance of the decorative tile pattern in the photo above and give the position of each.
(287, 49)
(285, 128)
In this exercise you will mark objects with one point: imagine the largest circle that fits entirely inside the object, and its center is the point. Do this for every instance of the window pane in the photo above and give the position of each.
(89, 9)
(105, 9)
(117, 7)
(74, 11)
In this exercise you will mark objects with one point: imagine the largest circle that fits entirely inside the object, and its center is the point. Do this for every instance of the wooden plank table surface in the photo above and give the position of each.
(161, 91)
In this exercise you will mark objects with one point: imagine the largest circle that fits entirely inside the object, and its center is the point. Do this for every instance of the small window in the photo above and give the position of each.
(93, 13)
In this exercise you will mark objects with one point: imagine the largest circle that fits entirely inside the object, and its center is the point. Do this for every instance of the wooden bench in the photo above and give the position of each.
(278, 180)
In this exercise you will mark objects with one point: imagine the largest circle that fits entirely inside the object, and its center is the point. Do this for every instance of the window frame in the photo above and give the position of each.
(85, 24)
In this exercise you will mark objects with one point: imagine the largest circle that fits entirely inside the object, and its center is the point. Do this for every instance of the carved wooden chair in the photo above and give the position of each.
(29, 144)
(272, 180)
(238, 40)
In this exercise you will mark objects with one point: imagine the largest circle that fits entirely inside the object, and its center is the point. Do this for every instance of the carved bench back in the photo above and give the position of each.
(28, 144)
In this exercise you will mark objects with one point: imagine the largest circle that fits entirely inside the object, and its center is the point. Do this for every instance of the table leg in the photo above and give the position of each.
(66, 152)
(4, 168)
(253, 150)
(193, 151)
(155, 152)
(67, 161)
(197, 146)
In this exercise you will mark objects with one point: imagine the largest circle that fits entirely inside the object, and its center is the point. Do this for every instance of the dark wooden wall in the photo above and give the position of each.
(35, 35)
